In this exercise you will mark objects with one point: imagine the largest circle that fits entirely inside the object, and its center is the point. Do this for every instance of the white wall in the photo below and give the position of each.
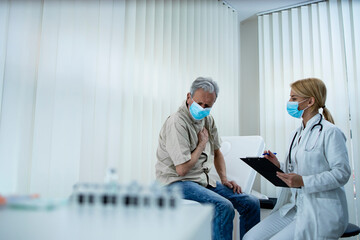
(249, 80)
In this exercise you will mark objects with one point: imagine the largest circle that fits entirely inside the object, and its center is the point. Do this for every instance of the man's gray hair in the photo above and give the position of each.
(207, 84)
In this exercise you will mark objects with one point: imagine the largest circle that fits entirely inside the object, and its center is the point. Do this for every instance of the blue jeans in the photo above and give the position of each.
(224, 201)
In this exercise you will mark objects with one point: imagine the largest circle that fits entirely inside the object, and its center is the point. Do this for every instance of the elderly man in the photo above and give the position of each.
(189, 146)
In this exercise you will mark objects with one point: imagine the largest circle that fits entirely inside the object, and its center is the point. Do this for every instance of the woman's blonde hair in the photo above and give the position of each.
(313, 87)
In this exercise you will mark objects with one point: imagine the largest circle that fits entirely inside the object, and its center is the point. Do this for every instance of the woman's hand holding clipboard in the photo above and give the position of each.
(291, 179)
(269, 167)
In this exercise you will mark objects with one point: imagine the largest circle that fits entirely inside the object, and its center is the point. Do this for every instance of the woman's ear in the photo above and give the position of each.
(311, 101)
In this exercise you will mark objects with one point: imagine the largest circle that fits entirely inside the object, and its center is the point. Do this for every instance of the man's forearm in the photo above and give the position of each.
(220, 167)
(184, 168)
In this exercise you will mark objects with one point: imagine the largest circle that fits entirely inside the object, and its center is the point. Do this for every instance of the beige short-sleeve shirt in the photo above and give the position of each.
(177, 140)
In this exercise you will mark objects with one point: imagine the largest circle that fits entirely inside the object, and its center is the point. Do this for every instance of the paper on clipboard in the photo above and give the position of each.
(266, 169)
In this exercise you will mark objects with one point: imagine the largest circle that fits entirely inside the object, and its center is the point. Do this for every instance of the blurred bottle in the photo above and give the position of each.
(146, 198)
(82, 193)
(111, 189)
(111, 177)
(175, 196)
(132, 197)
(160, 195)
(94, 194)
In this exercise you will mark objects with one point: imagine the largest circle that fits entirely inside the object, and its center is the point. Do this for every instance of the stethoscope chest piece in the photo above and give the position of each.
(290, 168)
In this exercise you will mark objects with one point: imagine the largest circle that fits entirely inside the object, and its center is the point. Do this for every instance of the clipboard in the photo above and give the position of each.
(266, 168)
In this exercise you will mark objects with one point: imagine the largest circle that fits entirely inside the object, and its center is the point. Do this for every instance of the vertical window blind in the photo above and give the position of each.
(87, 85)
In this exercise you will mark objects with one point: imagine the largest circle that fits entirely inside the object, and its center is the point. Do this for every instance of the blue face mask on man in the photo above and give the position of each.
(292, 109)
(198, 112)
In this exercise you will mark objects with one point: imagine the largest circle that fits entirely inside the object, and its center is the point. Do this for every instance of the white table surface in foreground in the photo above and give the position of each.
(185, 223)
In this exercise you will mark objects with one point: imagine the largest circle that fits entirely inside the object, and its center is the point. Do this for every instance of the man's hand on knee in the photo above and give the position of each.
(233, 185)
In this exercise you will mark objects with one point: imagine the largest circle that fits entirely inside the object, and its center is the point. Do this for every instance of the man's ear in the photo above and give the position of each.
(188, 98)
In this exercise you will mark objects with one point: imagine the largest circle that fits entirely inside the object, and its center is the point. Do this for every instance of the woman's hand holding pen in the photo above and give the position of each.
(271, 157)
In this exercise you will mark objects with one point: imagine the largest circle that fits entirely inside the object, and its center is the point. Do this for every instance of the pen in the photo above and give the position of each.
(268, 154)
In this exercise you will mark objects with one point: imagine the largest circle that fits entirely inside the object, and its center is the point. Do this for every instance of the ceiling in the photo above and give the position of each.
(248, 8)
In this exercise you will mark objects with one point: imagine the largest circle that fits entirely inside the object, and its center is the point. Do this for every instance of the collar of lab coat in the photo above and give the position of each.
(312, 121)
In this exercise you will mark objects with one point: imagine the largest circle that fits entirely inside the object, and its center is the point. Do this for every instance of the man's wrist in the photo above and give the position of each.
(223, 179)
(202, 146)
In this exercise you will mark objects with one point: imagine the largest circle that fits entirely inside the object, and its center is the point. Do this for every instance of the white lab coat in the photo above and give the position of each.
(322, 211)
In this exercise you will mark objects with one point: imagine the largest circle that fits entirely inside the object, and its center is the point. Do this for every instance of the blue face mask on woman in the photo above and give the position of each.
(197, 112)
(292, 109)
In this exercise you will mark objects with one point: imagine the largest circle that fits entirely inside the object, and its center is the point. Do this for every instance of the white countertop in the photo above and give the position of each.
(188, 222)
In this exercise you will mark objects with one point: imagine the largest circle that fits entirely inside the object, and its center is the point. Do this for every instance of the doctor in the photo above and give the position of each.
(316, 169)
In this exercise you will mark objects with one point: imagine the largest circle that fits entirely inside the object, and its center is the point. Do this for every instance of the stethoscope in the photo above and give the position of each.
(290, 165)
